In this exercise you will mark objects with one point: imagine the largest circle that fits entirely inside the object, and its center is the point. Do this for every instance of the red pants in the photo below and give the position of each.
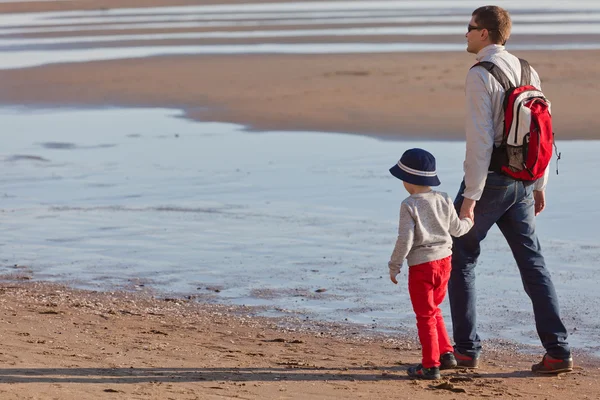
(427, 285)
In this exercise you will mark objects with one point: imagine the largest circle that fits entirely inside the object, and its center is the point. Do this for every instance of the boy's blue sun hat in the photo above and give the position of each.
(417, 166)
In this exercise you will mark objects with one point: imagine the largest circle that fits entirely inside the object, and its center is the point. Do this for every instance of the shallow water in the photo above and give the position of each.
(118, 198)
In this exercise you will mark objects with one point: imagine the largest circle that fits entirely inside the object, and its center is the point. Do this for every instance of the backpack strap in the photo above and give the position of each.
(499, 155)
(501, 77)
(525, 73)
(497, 73)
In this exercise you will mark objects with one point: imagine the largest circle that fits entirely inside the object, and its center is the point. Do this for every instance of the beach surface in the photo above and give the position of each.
(59, 343)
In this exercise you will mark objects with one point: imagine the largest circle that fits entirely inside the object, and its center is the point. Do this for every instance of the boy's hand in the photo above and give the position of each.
(394, 270)
(393, 277)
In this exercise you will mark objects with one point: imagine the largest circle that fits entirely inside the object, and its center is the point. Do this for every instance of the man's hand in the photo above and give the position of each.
(539, 196)
(393, 277)
(466, 210)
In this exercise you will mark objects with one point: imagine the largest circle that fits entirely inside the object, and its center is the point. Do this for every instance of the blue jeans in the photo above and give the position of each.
(510, 205)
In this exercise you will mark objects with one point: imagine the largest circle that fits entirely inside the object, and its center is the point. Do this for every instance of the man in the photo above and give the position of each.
(493, 198)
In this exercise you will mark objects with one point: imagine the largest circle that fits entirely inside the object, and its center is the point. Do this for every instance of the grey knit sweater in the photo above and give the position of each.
(426, 222)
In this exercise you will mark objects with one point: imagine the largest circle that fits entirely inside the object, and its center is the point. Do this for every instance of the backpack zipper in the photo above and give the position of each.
(517, 121)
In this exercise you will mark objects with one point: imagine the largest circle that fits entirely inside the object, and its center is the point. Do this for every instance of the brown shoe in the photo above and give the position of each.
(465, 361)
(550, 365)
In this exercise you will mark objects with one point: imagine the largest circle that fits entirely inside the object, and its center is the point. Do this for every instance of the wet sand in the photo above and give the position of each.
(402, 95)
(70, 344)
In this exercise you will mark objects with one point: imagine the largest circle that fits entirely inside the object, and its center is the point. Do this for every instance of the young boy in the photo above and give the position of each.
(427, 219)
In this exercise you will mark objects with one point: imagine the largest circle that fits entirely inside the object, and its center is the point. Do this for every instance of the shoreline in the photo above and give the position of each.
(136, 345)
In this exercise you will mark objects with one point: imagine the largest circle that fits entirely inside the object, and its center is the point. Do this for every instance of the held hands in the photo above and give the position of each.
(539, 196)
(467, 209)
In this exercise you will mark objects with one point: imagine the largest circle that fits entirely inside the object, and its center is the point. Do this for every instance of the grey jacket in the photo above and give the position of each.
(426, 222)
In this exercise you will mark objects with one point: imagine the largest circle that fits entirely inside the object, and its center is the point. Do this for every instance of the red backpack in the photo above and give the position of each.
(527, 139)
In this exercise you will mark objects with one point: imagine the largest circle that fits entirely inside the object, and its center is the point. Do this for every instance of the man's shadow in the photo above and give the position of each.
(258, 374)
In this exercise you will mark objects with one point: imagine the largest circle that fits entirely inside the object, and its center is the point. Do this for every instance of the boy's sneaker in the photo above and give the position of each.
(465, 361)
(447, 361)
(550, 365)
(421, 372)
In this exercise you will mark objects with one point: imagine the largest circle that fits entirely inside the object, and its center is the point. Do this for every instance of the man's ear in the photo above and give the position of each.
(485, 34)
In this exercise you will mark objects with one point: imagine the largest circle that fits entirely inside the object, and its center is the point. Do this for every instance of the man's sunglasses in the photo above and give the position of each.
(473, 27)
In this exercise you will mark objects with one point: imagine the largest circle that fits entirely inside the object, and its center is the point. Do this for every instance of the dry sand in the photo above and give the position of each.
(66, 344)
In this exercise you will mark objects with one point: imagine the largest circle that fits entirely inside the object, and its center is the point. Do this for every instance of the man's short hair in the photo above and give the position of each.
(496, 20)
